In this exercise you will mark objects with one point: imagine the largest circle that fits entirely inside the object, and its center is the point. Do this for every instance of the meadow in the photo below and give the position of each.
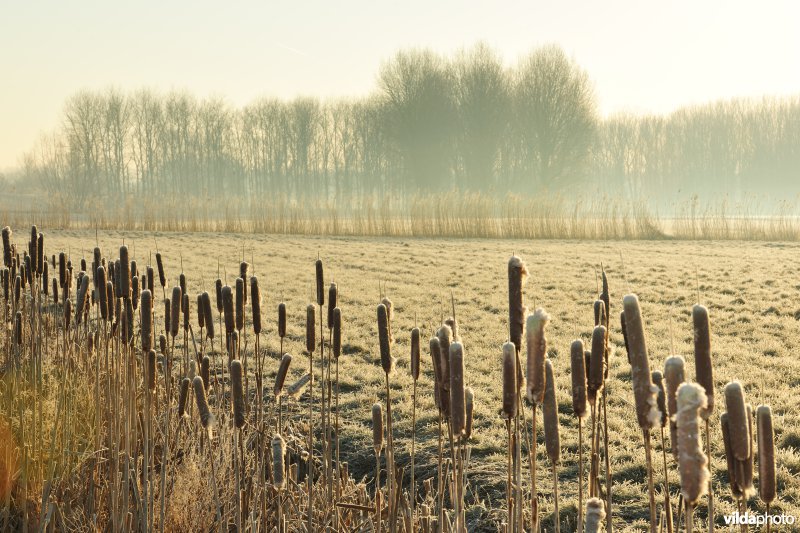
(751, 290)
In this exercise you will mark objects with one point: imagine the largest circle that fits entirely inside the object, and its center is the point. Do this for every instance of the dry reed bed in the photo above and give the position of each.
(234, 419)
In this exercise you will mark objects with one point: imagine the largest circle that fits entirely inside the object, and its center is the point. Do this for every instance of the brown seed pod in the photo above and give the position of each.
(599, 313)
(537, 352)
(383, 339)
(295, 390)
(517, 274)
(151, 369)
(255, 304)
(124, 273)
(337, 332)
(766, 454)
(674, 376)
(377, 427)
(510, 382)
(624, 334)
(162, 278)
(333, 300)
(415, 354)
(150, 279)
(389, 316)
(658, 381)
(205, 371)
(162, 345)
(218, 292)
(147, 320)
(83, 299)
(578, 372)
(67, 313)
(227, 308)
(280, 378)
(182, 282)
(281, 320)
(278, 463)
(206, 417)
(62, 270)
(729, 458)
(208, 319)
(135, 291)
(469, 395)
(458, 410)
(40, 262)
(186, 314)
(644, 391)
(320, 282)
(175, 313)
(311, 321)
(435, 350)
(550, 415)
(240, 292)
(692, 462)
(237, 391)
(18, 327)
(201, 322)
(737, 421)
(596, 376)
(595, 515)
(168, 317)
(7, 255)
(744, 469)
(184, 394)
(702, 355)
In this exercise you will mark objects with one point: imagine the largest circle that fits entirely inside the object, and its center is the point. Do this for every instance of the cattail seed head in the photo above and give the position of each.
(744, 469)
(337, 332)
(7, 246)
(692, 462)
(201, 322)
(124, 273)
(184, 394)
(110, 299)
(278, 463)
(162, 278)
(674, 376)
(766, 454)
(40, 262)
(208, 319)
(237, 390)
(737, 421)
(281, 320)
(135, 292)
(595, 515)
(280, 378)
(445, 336)
(151, 369)
(320, 282)
(510, 382)
(295, 390)
(255, 304)
(389, 317)
(646, 394)
(311, 321)
(240, 296)
(150, 279)
(377, 428)
(227, 308)
(175, 311)
(661, 399)
(205, 371)
(82, 300)
(218, 292)
(599, 313)
(517, 274)
(333, 301)
(55, 291)
(702, 355)
(186, 314)
(537, 351)
(206, 418)
(62, 269)
(147, 320)
(162, 345)
(435, 350)
(383, 339)
(596, 375)
(550, 414)
(17, 289)
(18, 327)
(729, 458)
(458, 410)
(578, 372)
(182, 282)
(469, 395)
(415, 354)
(624, 334)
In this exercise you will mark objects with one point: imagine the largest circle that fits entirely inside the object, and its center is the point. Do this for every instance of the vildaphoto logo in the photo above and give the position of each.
(748, 518)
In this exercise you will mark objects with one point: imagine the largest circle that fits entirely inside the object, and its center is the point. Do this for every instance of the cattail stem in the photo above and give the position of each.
(607, 456)
(532, 453)
(689, 518)
(413, 445)
(509, 494)
(555, 499)
(667, 504)
(580, 474)
(711, 482)
(650, 491)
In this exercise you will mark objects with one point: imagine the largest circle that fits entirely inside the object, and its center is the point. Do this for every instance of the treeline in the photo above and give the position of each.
(433, 123)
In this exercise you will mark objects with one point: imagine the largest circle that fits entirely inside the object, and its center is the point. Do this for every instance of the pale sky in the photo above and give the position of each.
(642, 55)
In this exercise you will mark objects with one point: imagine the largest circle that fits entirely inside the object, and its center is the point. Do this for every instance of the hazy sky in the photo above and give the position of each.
(642, 55)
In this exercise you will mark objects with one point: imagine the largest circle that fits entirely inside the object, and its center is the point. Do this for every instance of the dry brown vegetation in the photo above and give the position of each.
(87, 445)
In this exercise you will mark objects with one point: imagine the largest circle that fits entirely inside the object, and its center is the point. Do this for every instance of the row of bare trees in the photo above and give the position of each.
(434, 123)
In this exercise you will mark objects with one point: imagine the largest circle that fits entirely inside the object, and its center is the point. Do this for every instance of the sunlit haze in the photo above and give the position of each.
(641, 56)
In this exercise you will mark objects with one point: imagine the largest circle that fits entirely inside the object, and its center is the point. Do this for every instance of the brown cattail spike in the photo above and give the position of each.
(184, 394)
(208, 319)
(255, 304)
(766, 454)
(578, 371)
(162, 278)
(124, 273)
(550, 414)
(337, 332)
(658, 381)
(692, 462)
(227, 308)
(702, 355)
(205, 371)
(435, 350)
(218, 293)
(383, 339)
(458, 410)
(147, 320)
(469, 395)
(674, 376)
(729, 458)
(333, 301)
(646, 394)
(283, 370)
(186, 315)
(320, 283)
(175, 311)
(415, 354)
(595, 515)
(281, 320)
(311, 321)
(237, 390)
(240, 292)
(537, 351)
(517, 274)
(377, 428)
(206, 417)
(737, 421)
(510, 382)
(596, 375)
(151, 370)
(278, 463)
